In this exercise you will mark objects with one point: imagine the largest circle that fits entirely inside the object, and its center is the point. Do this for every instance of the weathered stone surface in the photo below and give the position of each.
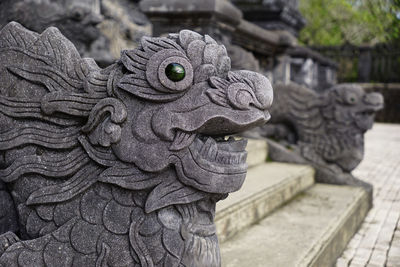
(242, 59)
(8, 216)
(273, 14)
(311, 230)
(325, 130)
(267, 187)
(220, 19)
(99, 29)
(76, 19)
(257, 151)
(123, 25)
(311, 69)
(223, 9)
(120, 166)
(217, 18)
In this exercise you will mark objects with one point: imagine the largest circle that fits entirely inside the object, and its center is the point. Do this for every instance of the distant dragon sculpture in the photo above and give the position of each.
(324, 130)
(120, 166)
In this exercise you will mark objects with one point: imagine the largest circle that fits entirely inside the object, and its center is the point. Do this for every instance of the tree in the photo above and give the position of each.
(335, 22)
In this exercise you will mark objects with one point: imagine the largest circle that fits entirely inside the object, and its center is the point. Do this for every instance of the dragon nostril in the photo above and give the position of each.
(259, 88)
(240, 95)
(244, 98)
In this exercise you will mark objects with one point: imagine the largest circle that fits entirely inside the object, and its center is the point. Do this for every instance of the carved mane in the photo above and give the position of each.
(74, 94)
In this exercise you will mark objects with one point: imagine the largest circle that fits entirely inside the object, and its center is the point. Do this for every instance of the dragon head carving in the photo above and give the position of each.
(326, 130)
(179, 95)
(168, 103)
(349, 114)
(351, 105)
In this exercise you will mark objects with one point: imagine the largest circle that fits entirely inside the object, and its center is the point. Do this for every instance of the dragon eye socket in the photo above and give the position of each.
(350, 98)
(175, 72)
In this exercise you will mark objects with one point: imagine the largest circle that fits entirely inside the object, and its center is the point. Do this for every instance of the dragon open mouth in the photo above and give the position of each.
(219, 154)
(366, 112)
(214, 164)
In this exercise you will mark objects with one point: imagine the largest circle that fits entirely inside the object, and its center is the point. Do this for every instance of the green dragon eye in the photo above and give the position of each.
(175, 72)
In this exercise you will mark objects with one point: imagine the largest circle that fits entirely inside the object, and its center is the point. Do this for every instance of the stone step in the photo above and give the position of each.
(257, 151)
(267, 186)
(311, 230)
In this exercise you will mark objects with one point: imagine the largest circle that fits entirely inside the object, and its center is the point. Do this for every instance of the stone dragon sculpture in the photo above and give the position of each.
(325, 130)
(119, 166)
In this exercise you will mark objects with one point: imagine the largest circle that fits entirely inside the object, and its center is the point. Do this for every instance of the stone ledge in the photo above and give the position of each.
(305, 52)
(266, 187)
(265, 42)
(218, 18)
(257, 151)
(312, 230)
(222, 9)
(272, 15)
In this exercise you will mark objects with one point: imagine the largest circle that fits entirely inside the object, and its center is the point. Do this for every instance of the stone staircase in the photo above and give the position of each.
(282, 218)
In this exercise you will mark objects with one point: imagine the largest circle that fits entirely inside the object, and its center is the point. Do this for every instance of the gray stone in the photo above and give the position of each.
(263, 42)
(120, 166)
(76, 19)
(99, 29)
(325, 130)
(267, 187)
(123, 25)
(311, 69)
(311, 230)
(222, 9)
(257, 151)
(273, 14)
(217, 18)
(282, 69)
(8, 216)
(242, 59)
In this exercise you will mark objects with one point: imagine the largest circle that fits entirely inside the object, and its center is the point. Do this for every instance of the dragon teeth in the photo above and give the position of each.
(227, 152)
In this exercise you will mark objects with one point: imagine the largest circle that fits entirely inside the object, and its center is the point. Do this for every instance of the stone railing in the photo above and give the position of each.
(365, 64)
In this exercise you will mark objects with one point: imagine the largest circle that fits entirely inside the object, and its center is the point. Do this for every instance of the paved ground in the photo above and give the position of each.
(377, 243)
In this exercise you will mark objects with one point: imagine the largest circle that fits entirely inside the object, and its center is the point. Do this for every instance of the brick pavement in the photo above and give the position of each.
(377, 243)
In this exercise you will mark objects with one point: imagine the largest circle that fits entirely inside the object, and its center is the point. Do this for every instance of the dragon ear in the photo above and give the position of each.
(103, 126)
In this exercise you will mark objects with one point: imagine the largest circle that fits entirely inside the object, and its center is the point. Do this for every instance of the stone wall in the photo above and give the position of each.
(273, 14)
(259, 35)
(378, 64)
(258, 42)
(123, 25)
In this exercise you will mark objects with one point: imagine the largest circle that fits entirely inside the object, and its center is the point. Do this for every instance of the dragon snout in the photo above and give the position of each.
(253, 89)
(375, 100)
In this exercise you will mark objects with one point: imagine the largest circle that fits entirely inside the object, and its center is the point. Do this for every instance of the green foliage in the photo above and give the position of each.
(335, 22)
